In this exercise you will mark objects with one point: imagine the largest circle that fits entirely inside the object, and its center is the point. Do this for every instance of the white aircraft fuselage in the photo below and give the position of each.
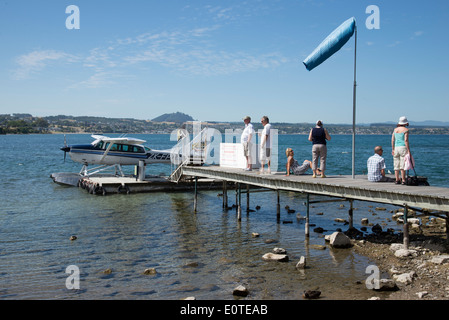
(115, 151)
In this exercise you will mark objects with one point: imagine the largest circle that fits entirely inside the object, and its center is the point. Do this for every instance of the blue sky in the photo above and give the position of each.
(220, 60)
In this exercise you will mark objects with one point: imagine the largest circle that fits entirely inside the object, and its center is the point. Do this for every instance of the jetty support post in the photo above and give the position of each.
(351, 211)
(447, 227)
(307, 215)
(236, 184)
(225, 195)
(195, 196)
(141, 171)
(247, 198)
(405, 228)
(278, 206)
(239, 202)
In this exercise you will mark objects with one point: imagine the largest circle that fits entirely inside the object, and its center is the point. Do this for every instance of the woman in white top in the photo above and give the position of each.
(400, 148)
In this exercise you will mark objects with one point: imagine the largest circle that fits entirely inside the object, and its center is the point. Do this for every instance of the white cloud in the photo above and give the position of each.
(416, 34)
(191, 52)
(394, 44)
(36, 61)
(97, 80)
(100, 57)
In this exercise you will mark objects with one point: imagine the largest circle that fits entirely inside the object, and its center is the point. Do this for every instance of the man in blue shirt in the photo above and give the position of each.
(376, 167)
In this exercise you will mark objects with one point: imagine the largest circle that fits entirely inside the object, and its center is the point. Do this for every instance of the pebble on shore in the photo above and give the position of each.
(416, 273)
(240, 291)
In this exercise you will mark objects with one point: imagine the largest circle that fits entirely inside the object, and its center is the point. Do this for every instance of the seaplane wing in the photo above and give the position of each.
(126, 140)
(116, 151)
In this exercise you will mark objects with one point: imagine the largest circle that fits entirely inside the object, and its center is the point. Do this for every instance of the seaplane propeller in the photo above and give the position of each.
(66, 148)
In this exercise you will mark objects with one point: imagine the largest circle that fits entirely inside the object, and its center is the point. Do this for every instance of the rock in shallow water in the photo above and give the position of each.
(301, 263)
(240, 291)
(311, 294)
(275, 257)
(339, 240)
(149, 271)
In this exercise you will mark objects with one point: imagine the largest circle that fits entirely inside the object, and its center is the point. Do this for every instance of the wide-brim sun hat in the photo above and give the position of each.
(403, 120)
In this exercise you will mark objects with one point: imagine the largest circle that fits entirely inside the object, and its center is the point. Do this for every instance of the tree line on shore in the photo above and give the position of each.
(28, 124)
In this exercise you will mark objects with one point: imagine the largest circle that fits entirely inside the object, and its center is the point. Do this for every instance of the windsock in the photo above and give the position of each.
(331, 44)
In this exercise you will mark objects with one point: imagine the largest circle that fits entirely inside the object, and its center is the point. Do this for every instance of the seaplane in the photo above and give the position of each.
(106, 153)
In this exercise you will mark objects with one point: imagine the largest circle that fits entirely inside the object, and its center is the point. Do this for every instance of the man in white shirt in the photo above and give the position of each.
(265, 145)
(245, 139)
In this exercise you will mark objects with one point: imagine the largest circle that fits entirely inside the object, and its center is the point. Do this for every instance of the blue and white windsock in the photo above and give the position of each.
(331, 44)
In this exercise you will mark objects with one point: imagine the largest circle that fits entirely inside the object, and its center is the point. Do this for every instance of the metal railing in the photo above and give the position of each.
(187, 152)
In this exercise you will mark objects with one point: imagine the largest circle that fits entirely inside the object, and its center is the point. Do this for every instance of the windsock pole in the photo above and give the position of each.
(354, 104)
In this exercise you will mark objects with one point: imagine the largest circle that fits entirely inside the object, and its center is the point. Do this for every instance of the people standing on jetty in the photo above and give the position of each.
(400, 148)
(293, 165)
(318, 136)
(245, 139)
(376, 167)
(265, 145)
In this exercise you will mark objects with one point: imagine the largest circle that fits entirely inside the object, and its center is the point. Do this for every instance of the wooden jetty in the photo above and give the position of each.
(421, 198)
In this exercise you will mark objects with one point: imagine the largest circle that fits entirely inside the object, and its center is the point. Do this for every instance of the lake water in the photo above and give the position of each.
(205, 255)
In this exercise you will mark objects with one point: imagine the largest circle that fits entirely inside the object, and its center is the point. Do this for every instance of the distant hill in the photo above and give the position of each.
(177, 117)
(426, 123)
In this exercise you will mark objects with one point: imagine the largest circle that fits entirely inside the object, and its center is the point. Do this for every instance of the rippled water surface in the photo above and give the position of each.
(205, 255)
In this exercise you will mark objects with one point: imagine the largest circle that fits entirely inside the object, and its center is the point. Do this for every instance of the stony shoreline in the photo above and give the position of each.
(420, 273)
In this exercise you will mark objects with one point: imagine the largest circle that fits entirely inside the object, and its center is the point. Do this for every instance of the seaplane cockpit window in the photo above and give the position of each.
(138, 149)
(147, 149)
(121, 147)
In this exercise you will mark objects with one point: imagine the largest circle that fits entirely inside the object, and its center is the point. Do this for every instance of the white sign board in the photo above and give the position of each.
(231, 156)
